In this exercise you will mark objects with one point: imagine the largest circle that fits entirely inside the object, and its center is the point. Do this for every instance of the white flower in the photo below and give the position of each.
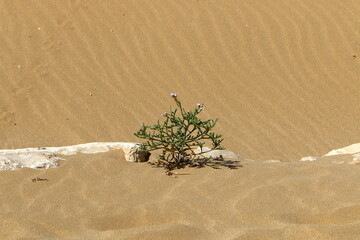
(174, 95)
(201, 106)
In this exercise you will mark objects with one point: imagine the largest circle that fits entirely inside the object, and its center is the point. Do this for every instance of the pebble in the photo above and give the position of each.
(309, 158)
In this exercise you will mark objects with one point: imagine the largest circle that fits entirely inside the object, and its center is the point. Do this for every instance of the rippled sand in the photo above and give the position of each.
(104, 197)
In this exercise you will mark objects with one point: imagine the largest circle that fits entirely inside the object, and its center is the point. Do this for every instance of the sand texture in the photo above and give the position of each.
(102, 196)
(283, 77)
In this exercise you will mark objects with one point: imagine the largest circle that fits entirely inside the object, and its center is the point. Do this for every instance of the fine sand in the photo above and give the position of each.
(104, 197)
(282, 76)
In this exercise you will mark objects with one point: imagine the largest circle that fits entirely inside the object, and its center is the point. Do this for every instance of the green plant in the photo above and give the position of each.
(178, 136)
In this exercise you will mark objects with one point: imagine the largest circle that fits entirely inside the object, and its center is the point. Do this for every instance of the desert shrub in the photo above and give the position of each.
(178, 136)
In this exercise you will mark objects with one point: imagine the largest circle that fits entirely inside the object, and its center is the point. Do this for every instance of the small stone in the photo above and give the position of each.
(207, 152)
(356, 157)
(308, 159)
(133, 154)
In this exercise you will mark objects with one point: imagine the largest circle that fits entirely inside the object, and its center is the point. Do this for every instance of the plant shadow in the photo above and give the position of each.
(216, 163)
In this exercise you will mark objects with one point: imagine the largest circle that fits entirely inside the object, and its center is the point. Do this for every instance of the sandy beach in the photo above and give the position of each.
(282, 77)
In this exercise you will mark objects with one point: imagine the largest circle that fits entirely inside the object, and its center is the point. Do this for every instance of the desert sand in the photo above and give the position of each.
(281, 76)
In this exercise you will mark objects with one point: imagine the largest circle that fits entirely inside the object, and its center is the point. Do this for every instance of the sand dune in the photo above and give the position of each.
(282, 76)
(102, 196)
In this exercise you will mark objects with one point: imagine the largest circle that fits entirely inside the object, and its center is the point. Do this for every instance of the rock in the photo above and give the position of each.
(6, 164)
(308, 159)
(356, 157)
(133, 154)
(47, 157)
(207, 153)
(204, 149)
(34, 160)
(351, 149)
